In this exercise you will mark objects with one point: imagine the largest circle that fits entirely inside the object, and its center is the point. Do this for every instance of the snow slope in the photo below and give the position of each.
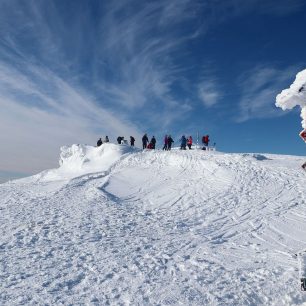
(117, 226)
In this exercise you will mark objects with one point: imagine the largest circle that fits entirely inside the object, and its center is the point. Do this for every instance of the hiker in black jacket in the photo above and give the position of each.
(145, 141)
(99, 142)
(153, 141)
(132, 141)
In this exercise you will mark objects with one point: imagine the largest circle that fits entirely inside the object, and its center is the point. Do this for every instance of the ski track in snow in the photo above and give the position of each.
(157, 228)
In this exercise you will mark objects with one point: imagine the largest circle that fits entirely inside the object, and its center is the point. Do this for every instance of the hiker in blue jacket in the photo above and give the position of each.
(183, 142)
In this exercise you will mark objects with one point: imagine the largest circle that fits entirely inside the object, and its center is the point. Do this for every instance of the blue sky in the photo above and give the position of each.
(72, 71)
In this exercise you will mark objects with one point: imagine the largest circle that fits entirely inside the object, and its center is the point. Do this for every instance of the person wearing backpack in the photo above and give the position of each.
(132, 141)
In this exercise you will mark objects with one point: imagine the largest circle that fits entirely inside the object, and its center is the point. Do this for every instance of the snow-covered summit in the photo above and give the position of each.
(119, 226)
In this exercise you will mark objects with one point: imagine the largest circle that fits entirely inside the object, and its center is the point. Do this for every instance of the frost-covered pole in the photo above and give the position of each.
(295, 96)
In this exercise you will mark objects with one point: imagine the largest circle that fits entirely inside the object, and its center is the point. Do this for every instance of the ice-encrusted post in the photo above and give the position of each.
(294, 96)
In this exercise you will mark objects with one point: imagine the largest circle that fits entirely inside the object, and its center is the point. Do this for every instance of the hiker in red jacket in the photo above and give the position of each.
(205, 140)
(189, 142)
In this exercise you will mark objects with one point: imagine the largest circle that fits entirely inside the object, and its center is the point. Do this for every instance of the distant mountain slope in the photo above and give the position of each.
(119, 226)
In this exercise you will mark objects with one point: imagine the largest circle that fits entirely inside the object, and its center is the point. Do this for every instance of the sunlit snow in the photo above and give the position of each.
(119, 226)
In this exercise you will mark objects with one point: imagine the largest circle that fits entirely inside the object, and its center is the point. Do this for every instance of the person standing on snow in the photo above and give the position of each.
(183, 142)
(205, 140)
(189, 142)
(119, 138)
(106, 139)
(132, 141)
(165, 142)
(303, 136)
(153, 142)
(169, 142)
(145, 141)
(99, 142)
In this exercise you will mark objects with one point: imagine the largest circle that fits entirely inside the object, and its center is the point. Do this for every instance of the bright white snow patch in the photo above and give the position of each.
(155, 228)
(78, 160)
(295, 96)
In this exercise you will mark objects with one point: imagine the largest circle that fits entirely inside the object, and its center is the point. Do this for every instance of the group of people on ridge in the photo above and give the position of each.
(168, 141)
(146, 144)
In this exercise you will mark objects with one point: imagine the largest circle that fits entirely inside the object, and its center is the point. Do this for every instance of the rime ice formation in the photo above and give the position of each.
(295, 96)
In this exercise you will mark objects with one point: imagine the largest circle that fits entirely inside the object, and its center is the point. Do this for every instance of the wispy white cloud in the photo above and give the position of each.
(209, 93)
(72, 70)
(259, 88)
(64, 115)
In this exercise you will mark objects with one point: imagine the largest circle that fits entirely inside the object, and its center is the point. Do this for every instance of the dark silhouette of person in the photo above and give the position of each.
(145, 141)
(153, 142)
(132, 141)
(119, 138)
(165, 142)
(99, 142)
(169, 143)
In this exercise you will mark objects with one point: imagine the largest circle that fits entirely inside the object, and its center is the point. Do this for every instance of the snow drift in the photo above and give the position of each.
(295, 96)
(81, 159)
(130, 227)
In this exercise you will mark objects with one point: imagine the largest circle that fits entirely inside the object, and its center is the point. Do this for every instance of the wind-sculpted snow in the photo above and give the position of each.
(156, 228)
(78, 160)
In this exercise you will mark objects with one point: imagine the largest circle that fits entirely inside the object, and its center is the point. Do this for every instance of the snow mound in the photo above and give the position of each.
(77, 160)
(257, 156)
(294, 96)
(156, 227)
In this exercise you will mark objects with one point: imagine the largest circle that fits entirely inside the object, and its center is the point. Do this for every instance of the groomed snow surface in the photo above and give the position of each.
(119, 226)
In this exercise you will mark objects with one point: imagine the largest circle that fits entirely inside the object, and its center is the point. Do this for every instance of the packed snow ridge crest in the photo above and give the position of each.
(79, 159)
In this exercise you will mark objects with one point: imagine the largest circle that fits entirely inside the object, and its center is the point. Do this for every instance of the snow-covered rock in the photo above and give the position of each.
(118, 226)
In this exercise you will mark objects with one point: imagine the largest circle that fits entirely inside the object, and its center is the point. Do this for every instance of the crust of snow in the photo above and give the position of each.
(118, 226)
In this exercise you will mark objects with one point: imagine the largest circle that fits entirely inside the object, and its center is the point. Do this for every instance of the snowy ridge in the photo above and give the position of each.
(155, 228)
